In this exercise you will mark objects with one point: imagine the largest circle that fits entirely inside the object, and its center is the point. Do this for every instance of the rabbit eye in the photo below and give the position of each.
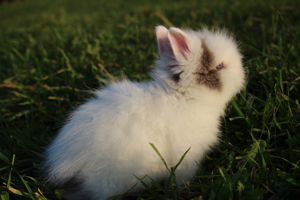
(220, 66)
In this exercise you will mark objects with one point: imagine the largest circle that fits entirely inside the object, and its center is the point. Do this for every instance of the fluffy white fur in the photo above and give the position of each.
(106, 140)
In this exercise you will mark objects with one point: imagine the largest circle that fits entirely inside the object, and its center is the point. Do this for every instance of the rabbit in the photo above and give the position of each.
(104, 145)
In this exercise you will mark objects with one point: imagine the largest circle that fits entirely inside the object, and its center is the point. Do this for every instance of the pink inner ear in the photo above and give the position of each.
(181, 44)
(163, 45)
(165, 49)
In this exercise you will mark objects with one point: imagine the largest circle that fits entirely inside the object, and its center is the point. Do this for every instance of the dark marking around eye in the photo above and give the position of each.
(205, 75)
(172, 66)
(176, 77)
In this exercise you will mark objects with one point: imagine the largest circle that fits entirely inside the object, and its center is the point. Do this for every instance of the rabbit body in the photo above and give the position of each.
(106, 140)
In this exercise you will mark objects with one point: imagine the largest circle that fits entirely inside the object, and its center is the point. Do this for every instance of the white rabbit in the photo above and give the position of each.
(106, 140)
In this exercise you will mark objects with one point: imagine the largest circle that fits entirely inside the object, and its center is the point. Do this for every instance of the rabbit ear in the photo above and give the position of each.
(164, 46)
(179, 43)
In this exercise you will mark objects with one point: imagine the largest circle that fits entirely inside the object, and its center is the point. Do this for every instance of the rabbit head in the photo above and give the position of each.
(193, 62)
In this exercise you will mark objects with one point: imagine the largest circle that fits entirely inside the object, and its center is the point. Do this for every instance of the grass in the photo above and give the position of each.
(53, 53)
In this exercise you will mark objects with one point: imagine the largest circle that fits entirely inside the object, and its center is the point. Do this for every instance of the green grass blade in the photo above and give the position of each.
(181, 159)
(288, 178)
(161, 157)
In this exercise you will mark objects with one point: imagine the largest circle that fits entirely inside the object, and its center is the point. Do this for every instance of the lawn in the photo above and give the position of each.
(53, 54)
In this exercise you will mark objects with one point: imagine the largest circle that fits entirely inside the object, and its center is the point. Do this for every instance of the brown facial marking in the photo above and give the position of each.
(206, 58)
(210, 80)
(206, 76)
